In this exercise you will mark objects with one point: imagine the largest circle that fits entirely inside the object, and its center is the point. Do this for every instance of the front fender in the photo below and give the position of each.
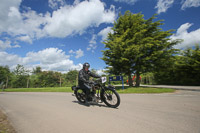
(109, 87)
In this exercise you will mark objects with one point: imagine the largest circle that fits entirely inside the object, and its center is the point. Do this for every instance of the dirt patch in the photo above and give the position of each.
(5, 126)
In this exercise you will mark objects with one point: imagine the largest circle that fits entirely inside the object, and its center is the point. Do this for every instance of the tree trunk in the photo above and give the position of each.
(27, 85)
(137, 79)
(130, 82)
(7, 82)
(60, 81)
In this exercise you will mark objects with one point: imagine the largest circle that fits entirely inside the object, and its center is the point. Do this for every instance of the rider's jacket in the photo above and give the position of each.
(84, 76)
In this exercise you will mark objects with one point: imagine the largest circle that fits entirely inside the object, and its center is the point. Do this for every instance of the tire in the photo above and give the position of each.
(80, 95)
(111, 98)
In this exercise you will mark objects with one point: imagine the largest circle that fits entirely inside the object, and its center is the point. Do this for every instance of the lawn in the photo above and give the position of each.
(143, 90)
(68, 89)
(46, 89)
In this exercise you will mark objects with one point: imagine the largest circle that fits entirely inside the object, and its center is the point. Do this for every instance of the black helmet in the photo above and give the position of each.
(86, 65)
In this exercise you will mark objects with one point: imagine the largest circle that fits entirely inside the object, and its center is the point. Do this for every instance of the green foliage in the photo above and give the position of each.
(20, 70)
(47, 79)
(71, 77)
(148, 78)
(4, 72)
(136, 45)
(20, 77)
(181, 69)
(5, 76)
(37, 70)
(19, 81)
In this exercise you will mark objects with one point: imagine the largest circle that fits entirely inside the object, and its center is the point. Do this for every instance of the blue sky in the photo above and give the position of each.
(60, 35)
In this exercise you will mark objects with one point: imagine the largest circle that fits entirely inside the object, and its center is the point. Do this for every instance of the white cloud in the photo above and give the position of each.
(91, 47)
(101, 72)
(49, 59)
(127, 1)
(71, 51)
(7, 44)
(190, 3)
(92, 43)
(9, 59)
(70, 20)
(163, 5)
(9, 14)
(76, 2)
(15, 23)
(190, 38)
(25, 39)
(55, 4)
(79, 53)
(93, 40)
(28, 25)
(104, 32)
(46, 56)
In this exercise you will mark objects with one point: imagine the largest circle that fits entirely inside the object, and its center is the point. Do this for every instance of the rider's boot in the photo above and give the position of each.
(87, 98)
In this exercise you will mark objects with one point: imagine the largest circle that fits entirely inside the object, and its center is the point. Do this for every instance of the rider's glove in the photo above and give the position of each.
(91, 82)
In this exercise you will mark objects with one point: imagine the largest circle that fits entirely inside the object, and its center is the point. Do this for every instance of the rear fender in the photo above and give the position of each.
(74, 88)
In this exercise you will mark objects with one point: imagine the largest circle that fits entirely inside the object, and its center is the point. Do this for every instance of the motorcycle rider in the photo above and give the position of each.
(83, 79)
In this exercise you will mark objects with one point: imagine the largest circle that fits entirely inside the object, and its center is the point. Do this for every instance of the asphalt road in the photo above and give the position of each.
(138, 113)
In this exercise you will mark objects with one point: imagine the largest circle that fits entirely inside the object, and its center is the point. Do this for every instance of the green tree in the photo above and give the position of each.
(34, 78)
(5, 75)
(181, 69)
(37, 70)
(136, 45)
(71, 77)
(188, 67)
(21, 77)
(49, 79)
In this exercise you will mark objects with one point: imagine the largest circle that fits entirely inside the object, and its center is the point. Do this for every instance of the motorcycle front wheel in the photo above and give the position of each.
(111, 98)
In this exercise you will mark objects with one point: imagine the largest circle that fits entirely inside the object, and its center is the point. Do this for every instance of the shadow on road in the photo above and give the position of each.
(93, 104)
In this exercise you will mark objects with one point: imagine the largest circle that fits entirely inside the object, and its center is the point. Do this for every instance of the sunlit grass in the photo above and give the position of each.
(46, 89)
(68, 89)
(143, 90)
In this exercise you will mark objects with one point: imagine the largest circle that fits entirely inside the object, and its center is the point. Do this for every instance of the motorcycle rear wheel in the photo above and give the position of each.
(80, 95)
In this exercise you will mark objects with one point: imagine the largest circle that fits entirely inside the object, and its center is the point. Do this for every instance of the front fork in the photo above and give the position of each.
(104, 89)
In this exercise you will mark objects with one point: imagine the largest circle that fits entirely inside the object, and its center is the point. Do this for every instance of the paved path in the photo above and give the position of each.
(138, 113)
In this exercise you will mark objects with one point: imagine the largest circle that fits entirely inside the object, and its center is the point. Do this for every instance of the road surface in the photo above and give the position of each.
(178, 112)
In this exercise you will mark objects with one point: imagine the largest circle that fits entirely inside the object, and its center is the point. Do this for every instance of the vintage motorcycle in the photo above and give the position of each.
(99, 93)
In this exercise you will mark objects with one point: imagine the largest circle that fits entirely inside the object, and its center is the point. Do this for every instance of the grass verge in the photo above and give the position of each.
(5, 126)
(46, 89)
(119, 89)
(143, 90)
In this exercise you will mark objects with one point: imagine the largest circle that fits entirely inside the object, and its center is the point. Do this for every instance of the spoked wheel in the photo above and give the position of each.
(80, 95)
(111, 98)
